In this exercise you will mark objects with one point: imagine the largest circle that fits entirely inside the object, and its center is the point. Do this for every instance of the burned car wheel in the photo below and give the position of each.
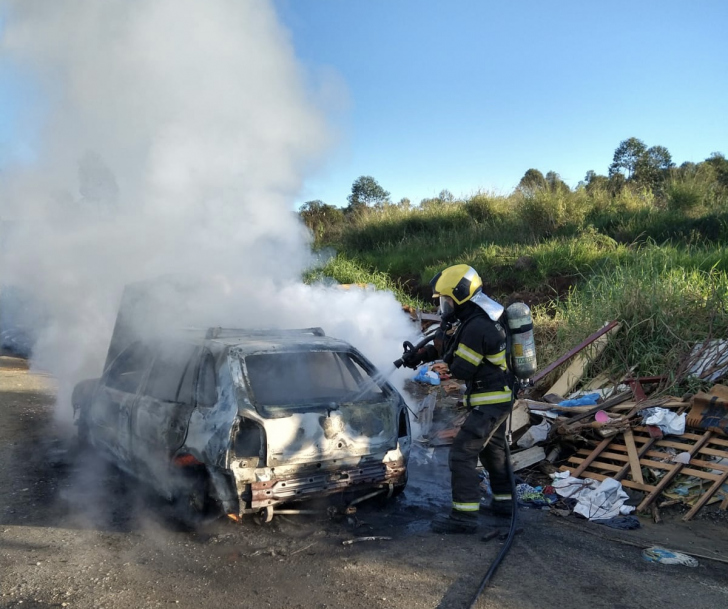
(191, 503)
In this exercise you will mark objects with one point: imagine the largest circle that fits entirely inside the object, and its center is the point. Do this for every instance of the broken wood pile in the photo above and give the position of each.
(610, 439)
(601, 431)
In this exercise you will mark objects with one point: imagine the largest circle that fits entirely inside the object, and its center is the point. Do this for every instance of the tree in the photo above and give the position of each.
(626, 157)
(320, 218)
(404, 203)
(720, 165)
(446, 196)
(366, 192)
(593, 181)
(555, 183)
(647, 167)
(532, 181)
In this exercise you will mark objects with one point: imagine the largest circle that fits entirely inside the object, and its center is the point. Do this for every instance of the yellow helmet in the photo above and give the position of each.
(460, 282)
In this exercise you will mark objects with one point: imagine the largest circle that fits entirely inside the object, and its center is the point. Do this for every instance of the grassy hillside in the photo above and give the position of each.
(653, 257)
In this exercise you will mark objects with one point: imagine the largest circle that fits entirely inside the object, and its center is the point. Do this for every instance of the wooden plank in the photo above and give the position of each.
(706, 496)
(672, 444)
(527, 457)
(605, 455)
(724, 505)
(698, 473)
(597, 382)
(626, 467)
(713, 452)
(634, 460)
(602, 445)
(595, 453)
(708, 464)
(671, 474)
(567, 356)
(571, 377)
(659, 464)
(599, 464)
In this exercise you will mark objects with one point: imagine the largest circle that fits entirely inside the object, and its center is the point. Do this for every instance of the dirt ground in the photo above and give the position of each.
(76, 533)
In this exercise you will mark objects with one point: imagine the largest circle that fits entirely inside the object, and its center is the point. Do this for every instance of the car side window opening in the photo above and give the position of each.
(206, 382)
(168, 373)
(127, 370)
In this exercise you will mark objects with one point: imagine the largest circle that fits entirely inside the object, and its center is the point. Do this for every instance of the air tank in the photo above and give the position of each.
(523, 344)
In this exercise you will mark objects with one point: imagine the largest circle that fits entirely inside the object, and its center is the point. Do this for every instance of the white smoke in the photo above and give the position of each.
(176, 134)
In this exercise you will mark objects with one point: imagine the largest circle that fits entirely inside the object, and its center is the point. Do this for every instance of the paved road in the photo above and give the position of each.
(75, 533)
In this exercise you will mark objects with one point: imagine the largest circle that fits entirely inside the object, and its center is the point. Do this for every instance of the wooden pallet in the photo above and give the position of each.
(624, 456)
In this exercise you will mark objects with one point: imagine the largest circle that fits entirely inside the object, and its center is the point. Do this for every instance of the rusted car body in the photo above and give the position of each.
(241, 421)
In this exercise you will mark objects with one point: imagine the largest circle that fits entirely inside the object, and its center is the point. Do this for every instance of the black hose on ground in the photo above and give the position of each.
(509, 540)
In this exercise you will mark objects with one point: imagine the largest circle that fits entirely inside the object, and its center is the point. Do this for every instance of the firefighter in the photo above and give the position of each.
(476, 354)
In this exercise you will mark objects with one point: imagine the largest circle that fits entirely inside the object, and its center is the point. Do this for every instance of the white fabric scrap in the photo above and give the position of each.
(535, 434)
(568, 486)
(595, 500)
(670, 424)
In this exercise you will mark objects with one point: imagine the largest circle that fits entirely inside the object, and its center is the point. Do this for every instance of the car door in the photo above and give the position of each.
(110, 411)
(162, 412)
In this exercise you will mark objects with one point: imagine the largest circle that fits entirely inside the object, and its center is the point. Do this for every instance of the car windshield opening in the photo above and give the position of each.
(302, 378)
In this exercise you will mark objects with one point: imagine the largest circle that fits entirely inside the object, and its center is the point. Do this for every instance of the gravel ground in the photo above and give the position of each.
(74, 532)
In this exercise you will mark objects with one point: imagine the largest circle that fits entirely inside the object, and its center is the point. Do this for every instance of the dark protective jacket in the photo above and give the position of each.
(476, 354)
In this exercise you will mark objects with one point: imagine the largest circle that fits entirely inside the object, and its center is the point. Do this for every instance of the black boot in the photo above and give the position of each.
(502, 508)
(456, 522)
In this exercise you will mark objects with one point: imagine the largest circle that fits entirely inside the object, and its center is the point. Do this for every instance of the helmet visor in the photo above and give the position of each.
(447, 307)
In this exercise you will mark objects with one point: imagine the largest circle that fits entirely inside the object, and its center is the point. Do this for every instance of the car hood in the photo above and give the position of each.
(312, 434)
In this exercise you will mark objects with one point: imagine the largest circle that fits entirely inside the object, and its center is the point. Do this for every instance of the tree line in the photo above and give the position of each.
(635, 166)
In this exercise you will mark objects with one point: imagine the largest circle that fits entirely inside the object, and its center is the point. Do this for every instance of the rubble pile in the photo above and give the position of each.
(601, 449)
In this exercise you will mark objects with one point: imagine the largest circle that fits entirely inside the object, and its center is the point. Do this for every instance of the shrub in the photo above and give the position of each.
(546, 213)
(487, 209)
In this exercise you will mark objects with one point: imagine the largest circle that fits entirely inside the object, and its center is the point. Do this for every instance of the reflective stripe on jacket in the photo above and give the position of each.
(476, 354)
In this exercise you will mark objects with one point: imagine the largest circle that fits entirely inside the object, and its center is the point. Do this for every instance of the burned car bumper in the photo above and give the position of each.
(262, 488)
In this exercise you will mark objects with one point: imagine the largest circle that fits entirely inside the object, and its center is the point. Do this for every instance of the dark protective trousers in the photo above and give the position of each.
(483, 435)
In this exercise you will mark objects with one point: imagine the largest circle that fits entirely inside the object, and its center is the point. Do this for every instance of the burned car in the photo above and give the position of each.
(242, 421)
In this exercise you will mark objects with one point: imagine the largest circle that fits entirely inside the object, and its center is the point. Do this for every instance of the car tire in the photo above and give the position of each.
(191, 503)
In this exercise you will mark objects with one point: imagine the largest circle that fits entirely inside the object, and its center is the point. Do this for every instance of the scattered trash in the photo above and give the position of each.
(709, 361)
(586, 400)
(683, 458)
(601, 417)
(668, 557)
(348, 542)
(425, 412)
(595, 500)
(427, 376)
(670, 424)
(536, 496)
(535, 434)
(710, 410)
(605, 434)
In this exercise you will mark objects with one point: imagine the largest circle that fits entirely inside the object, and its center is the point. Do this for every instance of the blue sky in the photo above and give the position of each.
(468, 95)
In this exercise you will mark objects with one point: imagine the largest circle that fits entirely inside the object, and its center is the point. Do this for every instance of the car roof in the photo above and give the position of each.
(261, 344)
(247, 341)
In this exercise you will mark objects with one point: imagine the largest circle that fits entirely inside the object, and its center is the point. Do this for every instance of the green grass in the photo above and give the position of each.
(344, 270)
(666, 298)
(657, 263)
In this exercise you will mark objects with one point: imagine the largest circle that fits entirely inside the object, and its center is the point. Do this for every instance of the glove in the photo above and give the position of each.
(412, 359)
